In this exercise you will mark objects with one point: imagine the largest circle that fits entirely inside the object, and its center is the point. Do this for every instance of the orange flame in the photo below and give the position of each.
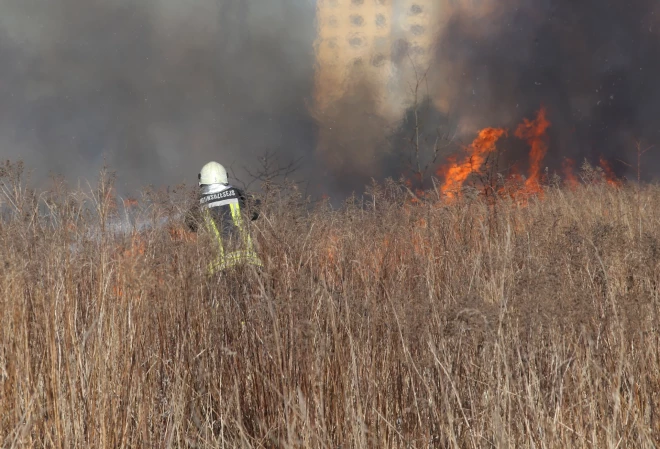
(515, 186)
(513, 183)
(610, 177)
(456, 173)
(533, 131)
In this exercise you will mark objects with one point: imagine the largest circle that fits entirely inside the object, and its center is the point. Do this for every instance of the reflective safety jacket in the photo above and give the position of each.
(221, 210)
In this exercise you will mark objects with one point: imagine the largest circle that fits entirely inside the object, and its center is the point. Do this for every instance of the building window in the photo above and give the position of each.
(378, 60)
(357, 2)
(415, 10)
(417, 30)
(381, 21)
(355, 41)
(357, 20)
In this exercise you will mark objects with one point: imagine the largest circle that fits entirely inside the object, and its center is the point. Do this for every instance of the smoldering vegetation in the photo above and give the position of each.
(589, 63)
(383, 323)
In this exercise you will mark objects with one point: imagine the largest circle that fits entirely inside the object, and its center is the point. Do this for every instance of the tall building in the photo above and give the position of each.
(370, 54)
(353, 40)
(414, 34)
(386, 42)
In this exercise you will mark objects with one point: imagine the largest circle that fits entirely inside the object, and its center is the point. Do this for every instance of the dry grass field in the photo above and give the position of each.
(389, 323)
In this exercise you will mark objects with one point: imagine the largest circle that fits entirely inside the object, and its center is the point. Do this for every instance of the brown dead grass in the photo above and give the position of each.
(382, 324)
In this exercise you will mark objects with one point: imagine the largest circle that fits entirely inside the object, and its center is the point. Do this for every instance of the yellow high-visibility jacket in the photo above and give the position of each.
(221, 210)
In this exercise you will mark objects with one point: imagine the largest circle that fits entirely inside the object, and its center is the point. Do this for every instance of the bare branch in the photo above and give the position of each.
(271, 169)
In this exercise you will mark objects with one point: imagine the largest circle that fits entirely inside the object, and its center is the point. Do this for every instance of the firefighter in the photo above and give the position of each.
(221, 210)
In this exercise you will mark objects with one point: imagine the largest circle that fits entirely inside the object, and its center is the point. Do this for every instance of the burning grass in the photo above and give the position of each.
(384, 324)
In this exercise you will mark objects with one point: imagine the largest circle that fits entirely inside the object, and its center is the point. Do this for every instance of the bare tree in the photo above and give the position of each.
(269, 177)
(424, 147)
(271, 170)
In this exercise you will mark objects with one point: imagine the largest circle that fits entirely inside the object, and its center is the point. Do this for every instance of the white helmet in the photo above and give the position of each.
(212, 173)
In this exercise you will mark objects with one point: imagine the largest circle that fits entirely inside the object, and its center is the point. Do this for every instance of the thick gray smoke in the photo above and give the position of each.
(157, 87)
(592, 63)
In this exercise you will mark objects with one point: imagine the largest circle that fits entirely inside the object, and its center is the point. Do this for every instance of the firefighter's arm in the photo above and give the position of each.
(192, 219)
(255, 207)
(250, 204)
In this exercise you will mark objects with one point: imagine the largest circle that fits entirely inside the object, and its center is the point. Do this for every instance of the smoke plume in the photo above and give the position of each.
(159, 87)
(591, 63)
(156, 87)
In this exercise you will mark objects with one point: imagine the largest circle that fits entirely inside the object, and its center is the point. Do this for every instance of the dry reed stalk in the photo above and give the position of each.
(466, 325)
